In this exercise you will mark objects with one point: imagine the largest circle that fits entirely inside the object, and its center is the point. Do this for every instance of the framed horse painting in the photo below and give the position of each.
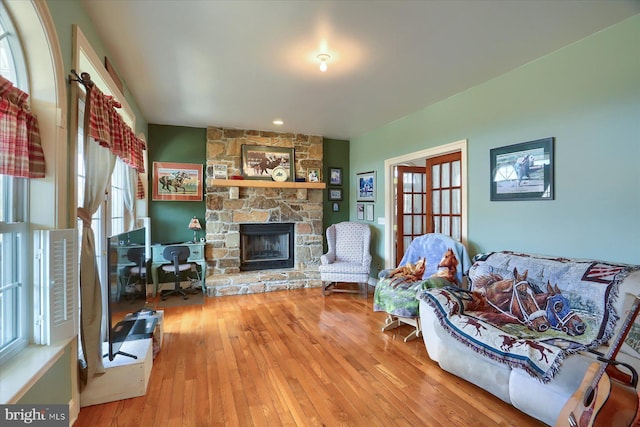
(522, 171)
(177, 182)
(268, 163)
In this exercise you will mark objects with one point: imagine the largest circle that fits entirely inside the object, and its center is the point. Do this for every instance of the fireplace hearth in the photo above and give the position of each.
(266, 246)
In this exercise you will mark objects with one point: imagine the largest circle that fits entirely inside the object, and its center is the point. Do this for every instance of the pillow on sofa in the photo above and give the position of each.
(631, 345)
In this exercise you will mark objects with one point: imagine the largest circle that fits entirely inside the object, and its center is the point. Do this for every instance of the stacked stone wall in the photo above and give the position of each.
(224, 214)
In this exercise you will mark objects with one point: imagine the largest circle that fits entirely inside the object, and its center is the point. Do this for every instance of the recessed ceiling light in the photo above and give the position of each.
(278, 122)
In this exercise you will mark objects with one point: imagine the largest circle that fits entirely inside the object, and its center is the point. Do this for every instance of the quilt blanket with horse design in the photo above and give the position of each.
(531, 311)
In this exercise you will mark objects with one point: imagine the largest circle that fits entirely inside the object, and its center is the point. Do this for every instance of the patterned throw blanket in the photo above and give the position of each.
(530, 311)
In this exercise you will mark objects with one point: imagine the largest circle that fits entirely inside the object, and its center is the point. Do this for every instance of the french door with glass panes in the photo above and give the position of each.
(444, 183)
(411, 206)
(429, 200)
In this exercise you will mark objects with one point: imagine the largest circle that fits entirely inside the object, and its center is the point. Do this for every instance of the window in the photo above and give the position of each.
(110, 218)
(39, 70)
(14, 214)
(112, 222)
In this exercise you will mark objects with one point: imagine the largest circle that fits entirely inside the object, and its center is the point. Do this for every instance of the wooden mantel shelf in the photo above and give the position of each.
(235, 184)
(256, 183)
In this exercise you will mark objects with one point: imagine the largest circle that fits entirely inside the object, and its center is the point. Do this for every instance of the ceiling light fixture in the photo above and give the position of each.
(323, 58)
(278, 122)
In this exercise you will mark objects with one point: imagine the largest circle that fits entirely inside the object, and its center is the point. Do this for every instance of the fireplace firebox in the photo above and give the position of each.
(266, 246)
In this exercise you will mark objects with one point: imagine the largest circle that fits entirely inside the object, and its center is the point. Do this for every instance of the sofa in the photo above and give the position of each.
(523, 356)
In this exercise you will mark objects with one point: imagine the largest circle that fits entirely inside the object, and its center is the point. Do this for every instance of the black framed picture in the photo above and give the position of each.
(335, 194)
(522, 171)
(335, 176)
(336, 207)
(259, 162)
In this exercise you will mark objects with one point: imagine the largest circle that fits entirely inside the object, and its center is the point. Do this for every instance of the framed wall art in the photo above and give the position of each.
(335, 194)
(177, 181)
(335, 176)
(522, 171)
(313, 175)
(220, 171)
(360, 209)
(367, 186)
(368, 212)
(259, 162)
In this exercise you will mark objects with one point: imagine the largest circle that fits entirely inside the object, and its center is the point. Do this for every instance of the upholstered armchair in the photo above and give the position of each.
(348, 259)
(396, 291)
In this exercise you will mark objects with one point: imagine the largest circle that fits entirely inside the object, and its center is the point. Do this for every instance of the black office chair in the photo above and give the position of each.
(178, 255)
(137, 274)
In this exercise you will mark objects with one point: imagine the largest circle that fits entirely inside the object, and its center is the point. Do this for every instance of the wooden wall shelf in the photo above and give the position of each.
(256, 183)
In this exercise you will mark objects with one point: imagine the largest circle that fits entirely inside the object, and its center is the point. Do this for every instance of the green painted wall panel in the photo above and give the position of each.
(336, 155)
(169, 219)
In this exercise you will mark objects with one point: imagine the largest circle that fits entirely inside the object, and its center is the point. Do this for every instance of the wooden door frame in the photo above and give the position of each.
(389, 190)
(399, 188)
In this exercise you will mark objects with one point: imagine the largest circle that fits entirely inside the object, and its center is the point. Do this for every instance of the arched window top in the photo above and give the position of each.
(12, 62)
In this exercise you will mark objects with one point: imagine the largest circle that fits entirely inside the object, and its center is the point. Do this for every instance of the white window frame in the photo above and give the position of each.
(47, 80)
(14, 224)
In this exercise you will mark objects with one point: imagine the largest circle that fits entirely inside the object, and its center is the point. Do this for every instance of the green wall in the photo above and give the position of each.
(336, 155)
(587, 96)
(169, 219)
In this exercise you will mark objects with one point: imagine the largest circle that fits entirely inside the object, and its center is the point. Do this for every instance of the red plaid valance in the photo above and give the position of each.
(21, 152)
(139, 188)
(108, 128)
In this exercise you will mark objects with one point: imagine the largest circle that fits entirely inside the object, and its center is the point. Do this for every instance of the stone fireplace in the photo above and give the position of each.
(231, 209)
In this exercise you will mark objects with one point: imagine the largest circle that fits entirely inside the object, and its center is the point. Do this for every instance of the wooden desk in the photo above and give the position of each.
(197, 256)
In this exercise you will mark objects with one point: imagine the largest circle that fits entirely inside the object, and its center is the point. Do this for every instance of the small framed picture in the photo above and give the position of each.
(313, 175)
(368, 212)
(335, 194)
(219, 171)
(360, 208)
(336, 207)
(335, 176)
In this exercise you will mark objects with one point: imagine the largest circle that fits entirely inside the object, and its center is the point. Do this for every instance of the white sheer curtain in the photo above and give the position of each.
(99, 164)
(106, 136)
(130, 188)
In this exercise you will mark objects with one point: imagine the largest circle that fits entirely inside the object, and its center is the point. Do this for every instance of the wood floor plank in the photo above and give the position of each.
(296, 358)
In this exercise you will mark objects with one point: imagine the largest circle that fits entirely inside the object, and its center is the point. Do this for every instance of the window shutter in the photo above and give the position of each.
(56, 289)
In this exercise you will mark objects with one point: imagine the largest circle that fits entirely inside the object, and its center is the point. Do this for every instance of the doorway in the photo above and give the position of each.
(441, 172)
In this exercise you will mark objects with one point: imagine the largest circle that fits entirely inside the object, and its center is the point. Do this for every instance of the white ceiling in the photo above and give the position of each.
(243, 64)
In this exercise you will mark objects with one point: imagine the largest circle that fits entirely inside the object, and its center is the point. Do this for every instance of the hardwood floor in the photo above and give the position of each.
(295, 358)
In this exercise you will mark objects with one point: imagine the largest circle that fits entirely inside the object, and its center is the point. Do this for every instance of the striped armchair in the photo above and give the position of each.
(348, 259)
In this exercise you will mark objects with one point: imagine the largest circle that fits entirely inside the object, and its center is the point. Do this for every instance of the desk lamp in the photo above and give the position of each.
(195, 226)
